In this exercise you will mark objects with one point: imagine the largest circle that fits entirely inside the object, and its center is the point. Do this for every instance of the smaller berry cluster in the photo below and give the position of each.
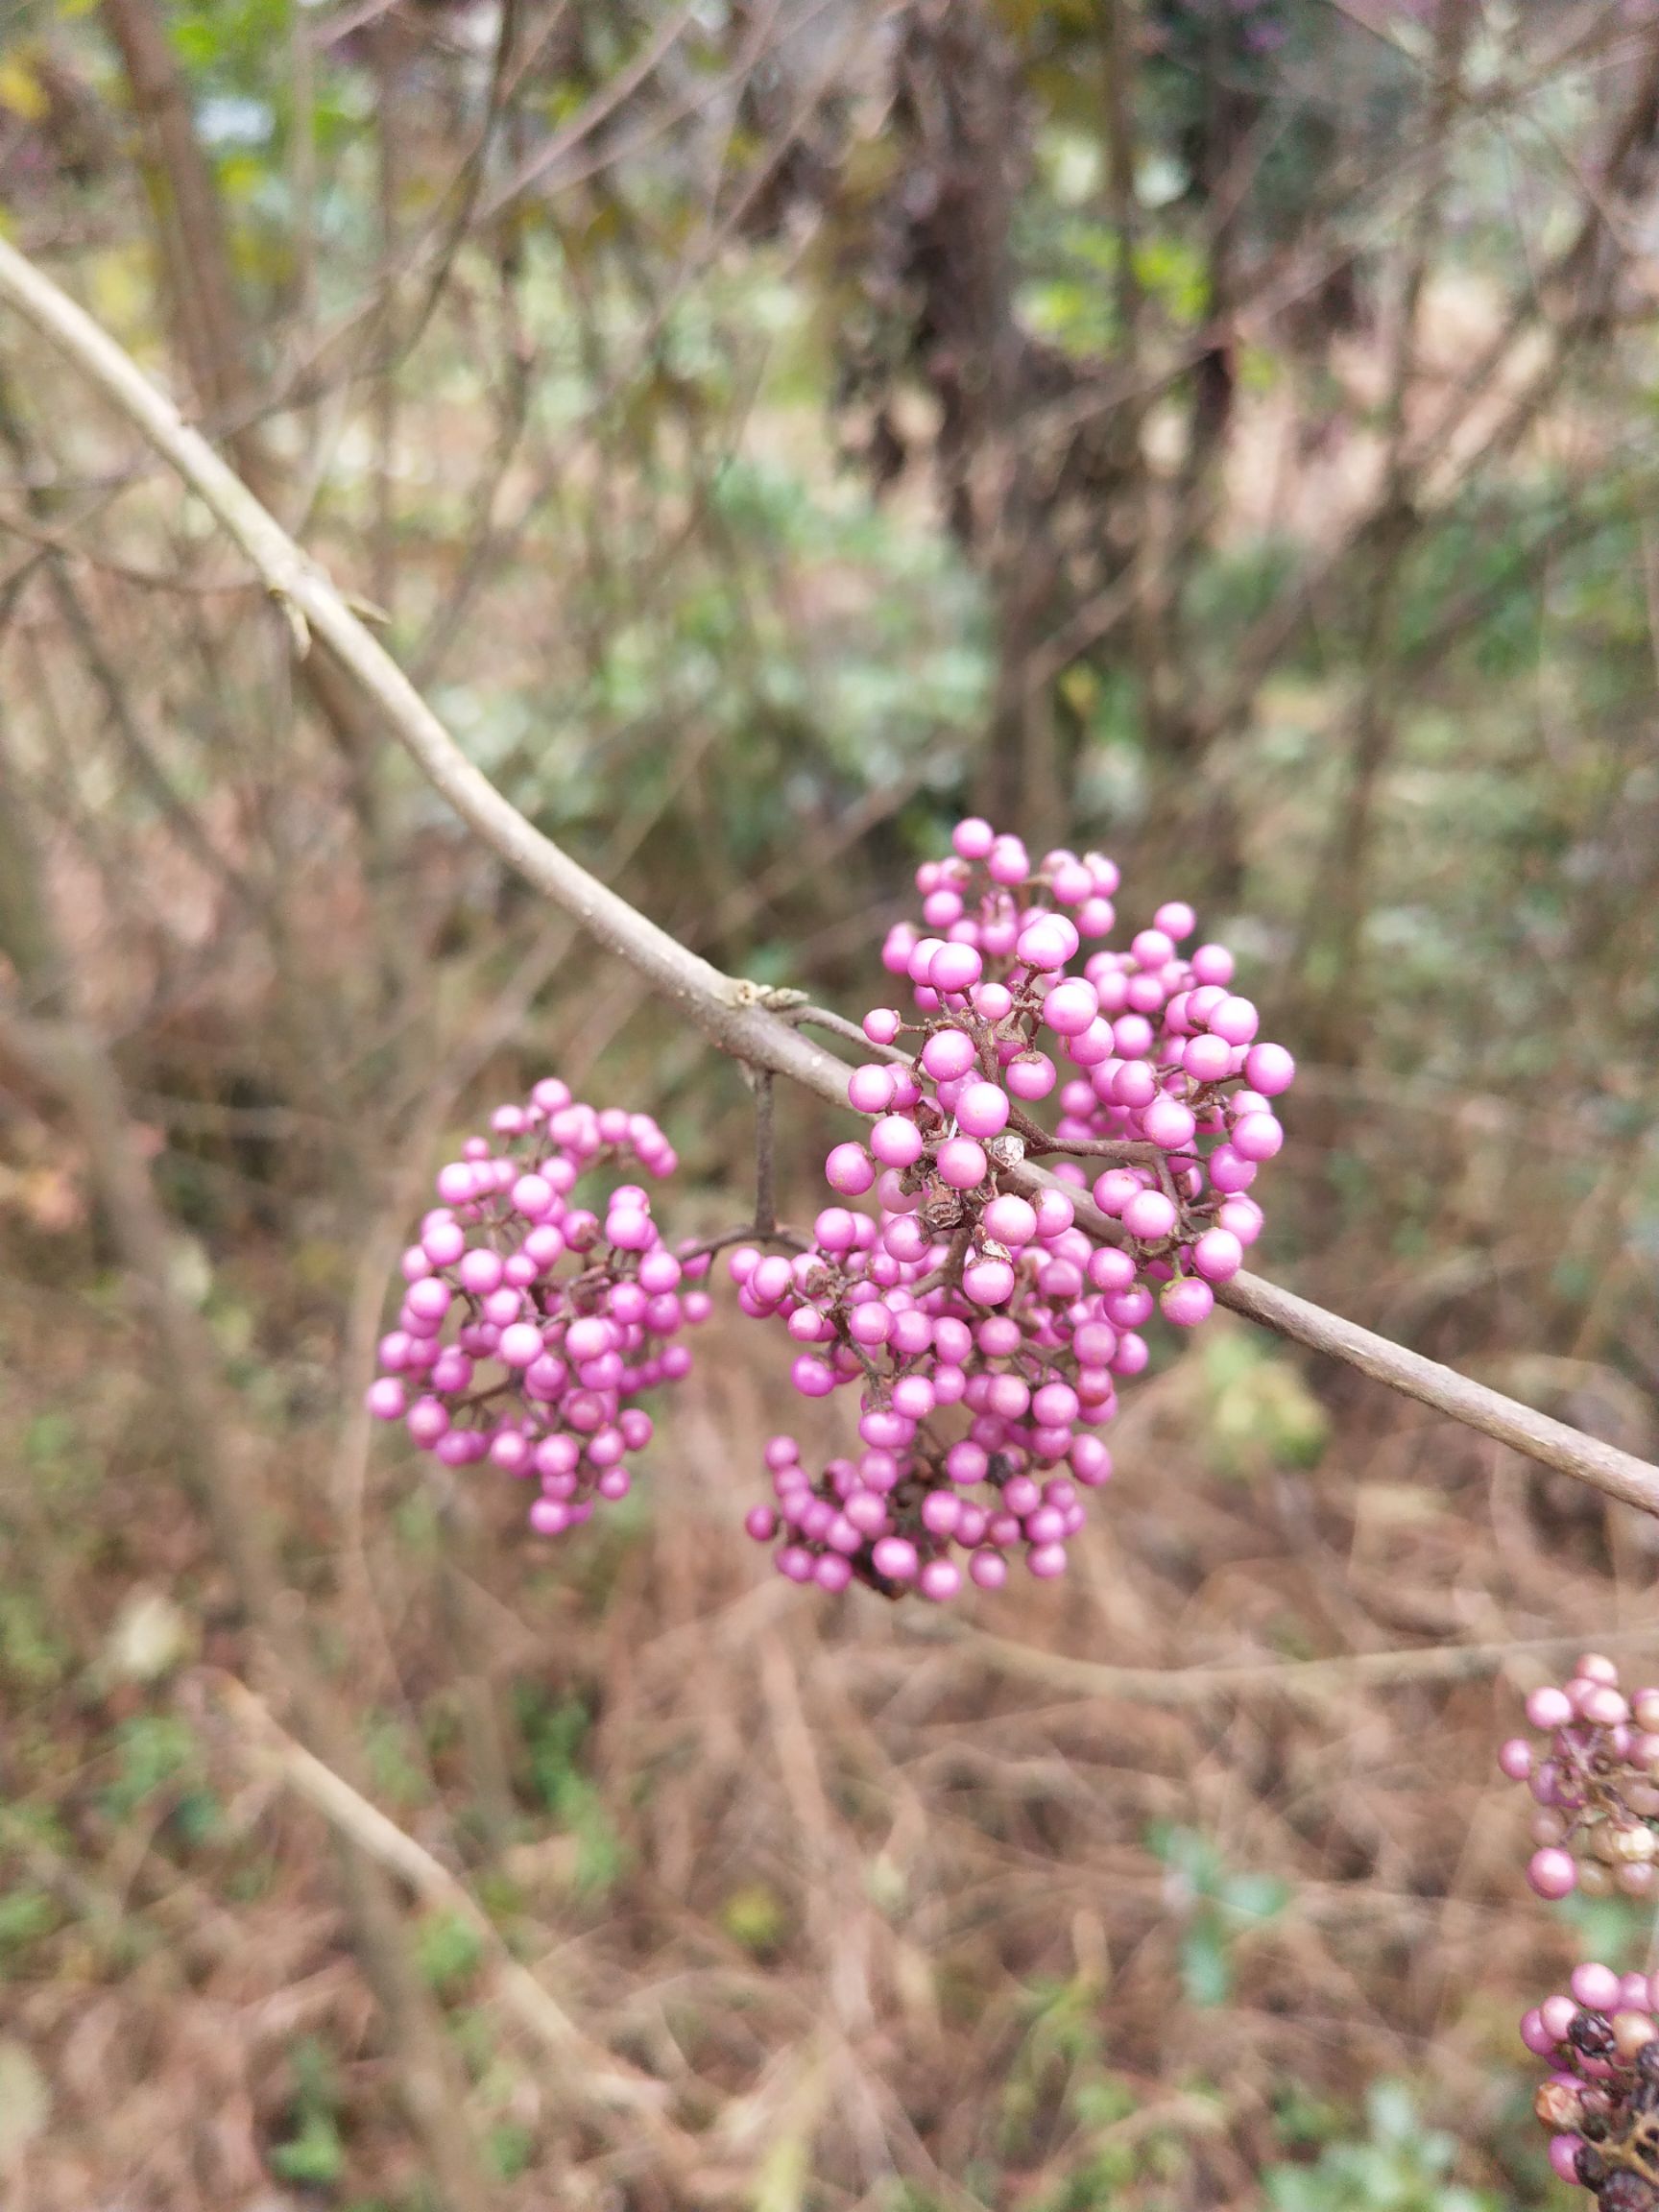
(1601, 2101)
(1597, 1784)
(530, 1324)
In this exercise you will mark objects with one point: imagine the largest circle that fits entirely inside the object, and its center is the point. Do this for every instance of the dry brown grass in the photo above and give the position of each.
(870, 1863)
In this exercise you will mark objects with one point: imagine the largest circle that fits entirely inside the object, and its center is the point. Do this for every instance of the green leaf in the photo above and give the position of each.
(447, 1949)
(315, 2156)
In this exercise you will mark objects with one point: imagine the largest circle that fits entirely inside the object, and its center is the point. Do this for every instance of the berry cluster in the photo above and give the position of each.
(560, 1318)
(965, 1290)
(1601, 2101)
(1597, 1827)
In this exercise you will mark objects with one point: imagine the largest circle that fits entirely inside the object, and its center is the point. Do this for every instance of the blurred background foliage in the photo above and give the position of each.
(1221, 431)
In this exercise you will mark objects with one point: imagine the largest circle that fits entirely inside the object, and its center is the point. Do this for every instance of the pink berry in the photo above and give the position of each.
(982, 1109)
(870, 1087)
(1030, 1075)
(954, 967)
(1595, 1987)
(1269, 1069)
(949, 1053)
(1549, 1708)
(961, 1163)
(1070, 1007)
(896, 1141)
(1217, 1255)
(1187, 1301)
(1149, 1216)
(848, 1169)
(1515, 1759)
(1010, 1219)
(1170, 1125)
(895, 1557)
(1046, 941)
(988, 1282)
(1552, 1873)
(1257, 1137)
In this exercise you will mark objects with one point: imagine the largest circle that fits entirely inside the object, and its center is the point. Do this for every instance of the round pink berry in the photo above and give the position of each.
(956, 968)
(1046, 941)
(949, 1053)
(1055, 1214)
(869, 1088)
(896, 1141)
(1206, 1059)
(521, 1343)
(1010, 1219)
(988, 1282)
(1596, 1987)
(1187, 1301)
(982, 1109)
(1235, 1019)
(895, 1557)
(1549, 1708)
(1515, 1759)
(811, 1377)
(1564, 2156)
(1257, 1137)
(961, 1163)
(1552, 1873)
(1269, 1069)
(1229, 1170)
(1213, 964)
(1152, 947)
(1030, 1075)
(1168, 1124)
(386, 1399)
(1071, 1006)
(972, 837)
(940, 1580)
(989, 1570)
(1217, 1255)
(848, 1169)
(1149, 1216)
(1007, 862)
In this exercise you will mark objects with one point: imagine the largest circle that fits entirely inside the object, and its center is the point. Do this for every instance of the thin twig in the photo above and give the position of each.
(605, 2079)
(765, 1178)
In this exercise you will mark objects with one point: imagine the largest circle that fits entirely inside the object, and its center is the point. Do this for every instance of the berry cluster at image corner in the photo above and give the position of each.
(530, 1324)
(964, 1292)
(1596, 1829)
(1596, 1783)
